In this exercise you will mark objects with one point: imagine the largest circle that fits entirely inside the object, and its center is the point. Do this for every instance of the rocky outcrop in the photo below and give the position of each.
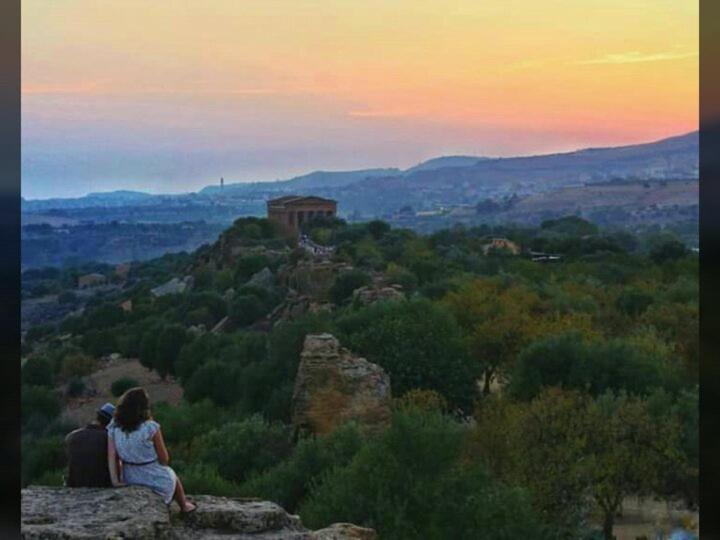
(371, 294)
(312, 278)
(263, 279)
(138, 513)
(333, 387)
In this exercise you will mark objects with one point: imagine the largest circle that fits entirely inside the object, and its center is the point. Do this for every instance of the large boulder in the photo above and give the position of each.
(333, 387)
(138, 513)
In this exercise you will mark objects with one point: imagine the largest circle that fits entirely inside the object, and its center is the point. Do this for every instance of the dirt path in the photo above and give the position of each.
(83, 409)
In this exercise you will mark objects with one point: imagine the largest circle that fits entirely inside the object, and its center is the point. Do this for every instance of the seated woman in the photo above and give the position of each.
(135, 439)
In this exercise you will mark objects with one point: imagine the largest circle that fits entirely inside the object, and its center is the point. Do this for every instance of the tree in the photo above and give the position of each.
(667, 250)
(167, 350)
(500, 321)
(418, 343)
(595, 366)
(629, 453)
(345, 283)
(378, 229)
(411, 482)
(604, 449)
(233, 447)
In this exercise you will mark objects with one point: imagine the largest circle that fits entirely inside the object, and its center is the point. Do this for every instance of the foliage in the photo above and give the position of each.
(233, 447)
(39, 456)
(38, 371)
(605, 449)
(290, 482)
(418, 343)
(77, 365)
(570, 361)
(120, 386)
(75, 387)
(411, 483)
(345, 283)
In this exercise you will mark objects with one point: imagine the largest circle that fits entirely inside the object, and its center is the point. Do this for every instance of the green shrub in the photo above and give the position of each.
(345, 283)
(40, 455)
(240, 448)
(569, 361)
(411, 483)
(39, 401)
(38, 371)
(122, 385)
(184, 422)
(77, 365)
(54, 477)
(289, 482)
(75, 387)
(204, 478)
(418, 343)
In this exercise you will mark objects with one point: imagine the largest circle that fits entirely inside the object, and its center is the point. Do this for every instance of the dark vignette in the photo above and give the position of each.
(10, 266)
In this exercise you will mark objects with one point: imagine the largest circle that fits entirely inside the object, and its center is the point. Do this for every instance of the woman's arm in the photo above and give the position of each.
(113, 463)
(162, 453)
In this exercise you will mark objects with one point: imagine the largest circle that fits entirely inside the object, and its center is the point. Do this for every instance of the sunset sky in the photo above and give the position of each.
(167, 96)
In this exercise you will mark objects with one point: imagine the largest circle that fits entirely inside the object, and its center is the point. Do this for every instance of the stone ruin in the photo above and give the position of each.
(333, 387)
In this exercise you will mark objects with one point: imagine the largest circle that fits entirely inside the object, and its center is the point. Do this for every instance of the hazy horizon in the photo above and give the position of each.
(141, 96)
(230, 181)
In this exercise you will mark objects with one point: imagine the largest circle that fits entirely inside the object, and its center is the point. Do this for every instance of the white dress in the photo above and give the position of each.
(140, 460)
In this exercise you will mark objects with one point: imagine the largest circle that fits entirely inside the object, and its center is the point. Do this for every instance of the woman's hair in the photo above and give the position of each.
(133, 409)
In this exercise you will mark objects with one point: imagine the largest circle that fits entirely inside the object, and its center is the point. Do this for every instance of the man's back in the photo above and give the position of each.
(87, 457)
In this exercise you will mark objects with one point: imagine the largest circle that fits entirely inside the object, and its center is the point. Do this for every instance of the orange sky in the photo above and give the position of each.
(291, 85)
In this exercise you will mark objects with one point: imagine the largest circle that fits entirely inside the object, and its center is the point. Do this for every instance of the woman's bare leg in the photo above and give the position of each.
(181, 499)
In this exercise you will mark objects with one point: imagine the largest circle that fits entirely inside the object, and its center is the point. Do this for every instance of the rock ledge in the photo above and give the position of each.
(136, 512)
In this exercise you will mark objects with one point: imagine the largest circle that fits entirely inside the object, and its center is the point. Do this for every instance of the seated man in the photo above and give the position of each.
(86, 450)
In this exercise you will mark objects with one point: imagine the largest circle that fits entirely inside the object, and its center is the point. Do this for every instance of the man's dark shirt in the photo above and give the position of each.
(87, 457)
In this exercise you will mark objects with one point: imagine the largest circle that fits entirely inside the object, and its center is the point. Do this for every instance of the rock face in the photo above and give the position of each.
(138, 513)
(332, 387)
(370, 294)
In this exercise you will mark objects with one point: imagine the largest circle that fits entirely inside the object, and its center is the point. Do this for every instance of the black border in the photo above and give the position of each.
(10, 266)
(709, 270)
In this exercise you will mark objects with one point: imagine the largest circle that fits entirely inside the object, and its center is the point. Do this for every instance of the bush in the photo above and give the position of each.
(75, 387)
(289, 482)
(246, 309)
(411, 483)
(40, 456)
(240, 448)
(167, 349)
(122, 385)
(184, 422)
(204, 478)
(418, 343)
(569, 361)
(38, 371)
(39, 401)
(345, 283)
(77, 365)
(55, 478)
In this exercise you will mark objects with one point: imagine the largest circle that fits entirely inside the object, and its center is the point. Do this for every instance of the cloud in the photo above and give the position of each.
(634, 57)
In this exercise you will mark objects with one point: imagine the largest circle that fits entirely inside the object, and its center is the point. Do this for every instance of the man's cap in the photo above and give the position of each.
(107, 410)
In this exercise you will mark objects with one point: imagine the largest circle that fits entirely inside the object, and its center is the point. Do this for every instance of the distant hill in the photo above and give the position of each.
(110, 198)
(438, 182)
(316, 179)
(445, 161)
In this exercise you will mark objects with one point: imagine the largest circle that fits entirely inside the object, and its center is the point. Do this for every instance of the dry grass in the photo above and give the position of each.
(83, 409)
